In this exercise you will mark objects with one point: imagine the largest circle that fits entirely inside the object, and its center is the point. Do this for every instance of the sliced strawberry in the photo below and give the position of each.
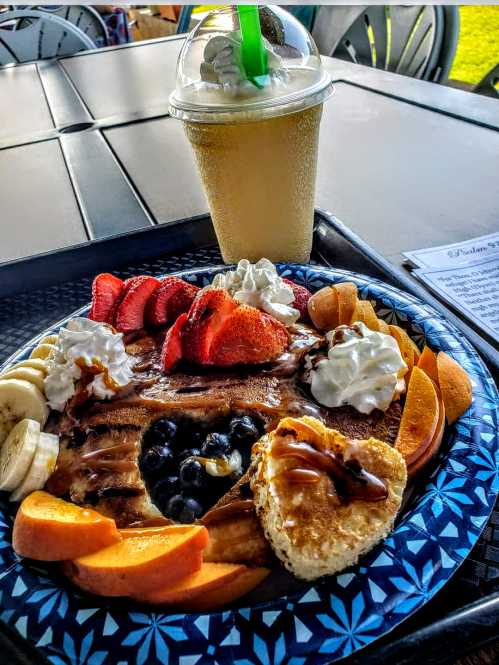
(106, 289)
(171, 352)
(129, 315)
(206, 315)
(302, 296)
(112, 313)
(172, 298)
(248, 336)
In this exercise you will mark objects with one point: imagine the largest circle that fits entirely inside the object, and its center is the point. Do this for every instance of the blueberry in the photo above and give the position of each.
(213, 490)
(186, 437)
(157, 459)
(192, 509)
(165, 428)
(195, 438)
(153, 438)
(192, 474)
(216, 445)
(164, 489)
(175, 506)
(243, 430)
(183, 509)
(190, 452)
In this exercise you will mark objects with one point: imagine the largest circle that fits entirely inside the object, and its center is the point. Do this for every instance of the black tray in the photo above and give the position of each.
(449, 626)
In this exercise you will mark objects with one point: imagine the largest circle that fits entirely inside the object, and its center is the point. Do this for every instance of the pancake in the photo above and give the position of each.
(101, 441)
(322, 498)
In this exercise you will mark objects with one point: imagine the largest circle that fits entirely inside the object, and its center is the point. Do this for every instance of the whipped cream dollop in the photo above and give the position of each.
(86, 345)
(363, 368)
(259, 285)
(222, 61)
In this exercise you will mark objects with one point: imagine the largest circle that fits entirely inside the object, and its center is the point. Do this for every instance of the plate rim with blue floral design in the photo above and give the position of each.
(330, 619)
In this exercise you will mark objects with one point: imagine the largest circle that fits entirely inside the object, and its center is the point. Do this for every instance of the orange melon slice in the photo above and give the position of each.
(364, 312)
(347, 302)
(455, 384)
(49, 529)
(209, 577)
(140, 563)
(419, 418)
(236, 588)
(323, 308)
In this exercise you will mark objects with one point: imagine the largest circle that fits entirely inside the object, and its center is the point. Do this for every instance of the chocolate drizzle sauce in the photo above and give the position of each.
(350, 479)
(229, 510)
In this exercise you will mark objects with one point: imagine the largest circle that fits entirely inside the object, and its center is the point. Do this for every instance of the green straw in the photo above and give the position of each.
(253, 52)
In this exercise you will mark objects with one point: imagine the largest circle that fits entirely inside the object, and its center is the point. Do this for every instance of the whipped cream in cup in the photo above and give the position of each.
(363, 369)
(86, 345)
(259, 285)
(222, 63)
(255, 141)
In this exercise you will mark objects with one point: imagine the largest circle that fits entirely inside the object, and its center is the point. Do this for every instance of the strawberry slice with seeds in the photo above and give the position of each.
(173, 297)
(247, 335)
(129, 315)
(302, 296)
(106, 290)
(171, 353)
(207, 314)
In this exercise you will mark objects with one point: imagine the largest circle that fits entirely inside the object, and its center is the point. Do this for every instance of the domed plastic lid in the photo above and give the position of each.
(212, 85)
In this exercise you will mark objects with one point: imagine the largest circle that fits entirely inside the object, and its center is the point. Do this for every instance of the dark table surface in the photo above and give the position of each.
(405, 163)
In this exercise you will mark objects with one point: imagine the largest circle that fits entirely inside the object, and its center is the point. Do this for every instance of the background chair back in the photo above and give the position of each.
(46, 36)
(489, 85)
(418, 41)
(87, 19)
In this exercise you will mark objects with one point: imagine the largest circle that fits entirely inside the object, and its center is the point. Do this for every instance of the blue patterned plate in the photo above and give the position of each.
(326, 621)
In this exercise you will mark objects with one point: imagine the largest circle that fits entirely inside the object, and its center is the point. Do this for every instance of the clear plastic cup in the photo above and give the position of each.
(255, 143)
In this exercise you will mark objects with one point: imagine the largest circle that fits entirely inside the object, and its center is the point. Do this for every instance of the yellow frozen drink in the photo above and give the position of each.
(255, 145)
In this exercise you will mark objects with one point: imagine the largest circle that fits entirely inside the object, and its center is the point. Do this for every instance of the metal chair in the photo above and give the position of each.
(46, 36)
(418, 41)
(489, 85)
(85, 18)
(304, 13)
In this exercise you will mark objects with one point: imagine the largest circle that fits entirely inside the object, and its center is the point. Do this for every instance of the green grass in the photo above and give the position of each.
(478, 46)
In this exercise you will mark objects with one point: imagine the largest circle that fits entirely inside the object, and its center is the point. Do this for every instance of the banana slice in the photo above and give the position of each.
(34, 376)
(17, 453)
(50, 339)
(35, 363)
(42, 351)
(18, 400)
(41, 467)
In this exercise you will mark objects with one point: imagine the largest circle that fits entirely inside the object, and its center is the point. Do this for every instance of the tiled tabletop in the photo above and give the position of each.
(404, 163)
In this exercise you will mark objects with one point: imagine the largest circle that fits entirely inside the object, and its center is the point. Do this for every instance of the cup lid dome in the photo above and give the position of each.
(212, 85)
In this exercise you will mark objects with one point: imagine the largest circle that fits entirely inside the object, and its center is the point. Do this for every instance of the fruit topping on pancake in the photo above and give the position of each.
(189, 466)
(260, 285)
(323, 499)
(219, 331)
(172, 298)
(106, 290)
